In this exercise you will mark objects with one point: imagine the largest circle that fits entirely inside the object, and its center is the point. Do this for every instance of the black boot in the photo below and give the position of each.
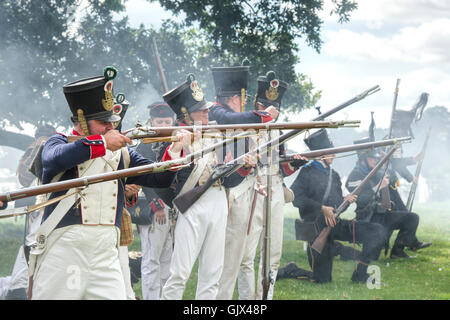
(398, 252)
(287, 271)
(420, 245)
(303, 274)
(360, 274)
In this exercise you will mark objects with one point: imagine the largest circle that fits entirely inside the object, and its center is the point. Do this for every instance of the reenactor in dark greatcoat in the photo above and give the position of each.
(374, 204)
(318, 193)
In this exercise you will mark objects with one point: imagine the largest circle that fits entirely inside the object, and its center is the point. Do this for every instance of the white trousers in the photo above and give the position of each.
(199, 233)
(80, 262)
(236, 236)
(156, 246)
(246, 276)
(19, 275)
(125, 267)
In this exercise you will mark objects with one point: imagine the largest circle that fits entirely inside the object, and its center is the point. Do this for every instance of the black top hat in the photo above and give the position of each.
(270, 90)
(186, 98)
(318, 140)
(120, 108)
(160, 109)
(230, 81)
(366, 153)
(92, 98)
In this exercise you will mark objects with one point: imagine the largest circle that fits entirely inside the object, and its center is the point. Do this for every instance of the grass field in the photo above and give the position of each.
(427, 276)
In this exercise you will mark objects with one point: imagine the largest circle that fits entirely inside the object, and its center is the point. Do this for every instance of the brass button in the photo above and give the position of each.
(84, 207)
(85, 221)
(114, 194)
(114, 208)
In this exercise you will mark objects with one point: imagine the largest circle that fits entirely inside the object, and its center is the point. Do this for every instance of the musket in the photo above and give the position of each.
(321, 239)
(266, 280)
(185, 200)
(159, 66)
(103, 177)
(394, 106)
(169, 132)
(323, 152)
(412, 191)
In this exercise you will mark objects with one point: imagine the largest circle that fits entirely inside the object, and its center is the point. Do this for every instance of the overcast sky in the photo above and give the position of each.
(384, 40)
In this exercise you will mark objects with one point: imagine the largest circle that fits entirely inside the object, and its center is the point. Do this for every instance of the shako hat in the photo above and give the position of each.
(270, 90)
(318, 140)
(92, 98)
(186, 98)
(160, 109)
(230, 81)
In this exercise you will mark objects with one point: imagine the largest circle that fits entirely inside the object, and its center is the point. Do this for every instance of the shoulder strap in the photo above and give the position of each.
(126, 157)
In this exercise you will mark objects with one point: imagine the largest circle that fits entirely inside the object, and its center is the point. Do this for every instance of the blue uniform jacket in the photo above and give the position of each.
(58, 155)
(223, 114)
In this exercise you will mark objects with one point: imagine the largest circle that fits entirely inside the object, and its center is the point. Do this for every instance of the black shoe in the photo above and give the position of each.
(420, 245)
(303, 274)
(360, 274)
(287, 271)
(398, 253)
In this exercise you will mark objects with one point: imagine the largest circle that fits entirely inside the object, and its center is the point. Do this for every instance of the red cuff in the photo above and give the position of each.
(265, 117)
(243, 171)
(131, 202)
(167, 157)
(288, 170)
(156, 205)
(96, 145)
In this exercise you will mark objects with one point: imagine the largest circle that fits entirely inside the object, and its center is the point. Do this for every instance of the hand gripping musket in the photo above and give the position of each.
(412, 191)
(321, 239)
(83, 182)
(167, 134)
(184, 201)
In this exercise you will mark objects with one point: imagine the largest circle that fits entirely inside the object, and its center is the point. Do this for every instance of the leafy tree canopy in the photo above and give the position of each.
(48, 43)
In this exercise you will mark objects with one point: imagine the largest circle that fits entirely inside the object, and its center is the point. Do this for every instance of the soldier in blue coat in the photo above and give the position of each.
(76, 255)
(231, 94)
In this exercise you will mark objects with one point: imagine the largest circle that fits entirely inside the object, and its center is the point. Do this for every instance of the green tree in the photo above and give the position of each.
(47, 43)
(265, 31)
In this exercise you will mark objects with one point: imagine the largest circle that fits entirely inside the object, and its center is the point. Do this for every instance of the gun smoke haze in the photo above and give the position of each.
(435, 177)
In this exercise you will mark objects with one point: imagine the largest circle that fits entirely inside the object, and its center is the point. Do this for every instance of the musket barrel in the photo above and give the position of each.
(153, 132)
(354, 147)
(103, 177)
